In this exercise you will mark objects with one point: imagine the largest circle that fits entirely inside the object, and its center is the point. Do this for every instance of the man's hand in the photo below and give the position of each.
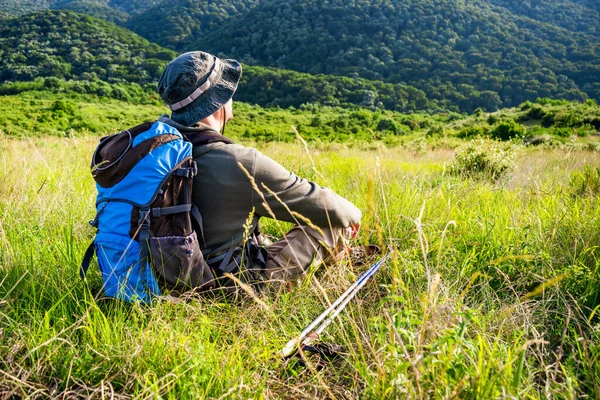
(352, 230)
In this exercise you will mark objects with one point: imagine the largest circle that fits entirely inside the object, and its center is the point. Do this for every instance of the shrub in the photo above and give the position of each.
(64, 106)
(526, 106)
(563, 132)
(360, 117)
(52, 82)
(548, 119)
(454, 116)
(392, 141)
(508, 130)
(388, 124)
(568, 120)
(261, 134)
(486, 159)
(316, 121)
(536, 112)
(552, 102)
(472, 131)
(340, 123)
(492, 119)
(412, 124)
(593, 121)
(435, 131)
(585, 183)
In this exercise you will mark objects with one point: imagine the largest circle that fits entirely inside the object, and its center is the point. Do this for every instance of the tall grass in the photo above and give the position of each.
(492, 292)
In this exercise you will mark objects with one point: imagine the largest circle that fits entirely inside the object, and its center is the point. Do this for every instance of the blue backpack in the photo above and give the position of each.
(147, 227)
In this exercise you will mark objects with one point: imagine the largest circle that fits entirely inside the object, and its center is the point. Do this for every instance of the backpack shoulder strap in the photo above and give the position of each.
(206, 137)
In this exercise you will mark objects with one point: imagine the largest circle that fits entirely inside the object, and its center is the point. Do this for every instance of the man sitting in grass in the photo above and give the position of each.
(237, 184)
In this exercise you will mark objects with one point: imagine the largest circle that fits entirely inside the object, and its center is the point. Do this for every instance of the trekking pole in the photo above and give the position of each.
(309, 333)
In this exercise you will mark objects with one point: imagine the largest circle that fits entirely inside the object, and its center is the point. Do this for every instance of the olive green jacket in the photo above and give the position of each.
(226, 197)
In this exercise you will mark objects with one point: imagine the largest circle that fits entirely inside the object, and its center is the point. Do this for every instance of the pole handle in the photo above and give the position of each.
(289, 348)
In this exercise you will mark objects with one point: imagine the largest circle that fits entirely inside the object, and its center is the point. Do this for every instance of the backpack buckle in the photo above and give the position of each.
(187, 172)
(144, 219)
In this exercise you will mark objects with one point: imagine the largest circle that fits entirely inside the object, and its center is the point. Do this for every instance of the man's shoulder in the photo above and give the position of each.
(218, 149)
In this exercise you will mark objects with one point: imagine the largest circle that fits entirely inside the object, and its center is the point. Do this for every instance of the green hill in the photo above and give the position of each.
(110, 10)
(18, 7)
(66, 45)
(465, 55)
(190, 17)
(272, 87)
(589, 4)
(180, 23)
(572, 15)
(69, 46)
(95, 8)
(470, 54)
(133, 6)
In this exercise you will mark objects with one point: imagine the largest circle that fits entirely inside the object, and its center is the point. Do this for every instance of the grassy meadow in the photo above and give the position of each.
(492, 292)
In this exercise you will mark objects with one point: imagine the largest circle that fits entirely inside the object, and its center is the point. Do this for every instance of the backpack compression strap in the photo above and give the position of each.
(89, 253)
(87, 258)
(144, 223)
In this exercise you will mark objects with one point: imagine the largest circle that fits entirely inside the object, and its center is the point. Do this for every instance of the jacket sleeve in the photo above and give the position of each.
(320, 205)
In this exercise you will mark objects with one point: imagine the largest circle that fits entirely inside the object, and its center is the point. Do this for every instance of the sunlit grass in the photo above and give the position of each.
(488, 294)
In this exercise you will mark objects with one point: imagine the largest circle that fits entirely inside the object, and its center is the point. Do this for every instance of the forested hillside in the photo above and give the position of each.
(469, 54)
(110, 10)
(284, 88)
(183, 22)
(65, 45)
(572, 15)
(95, 8)
(590, 4)
(460, 55)
(17, 7)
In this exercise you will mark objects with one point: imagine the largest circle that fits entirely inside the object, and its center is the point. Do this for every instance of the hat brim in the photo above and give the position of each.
(214, 98)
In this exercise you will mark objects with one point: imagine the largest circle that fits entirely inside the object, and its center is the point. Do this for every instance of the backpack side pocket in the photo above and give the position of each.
(179, 264)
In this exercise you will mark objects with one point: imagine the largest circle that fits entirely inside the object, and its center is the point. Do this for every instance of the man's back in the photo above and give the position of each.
(222, 193)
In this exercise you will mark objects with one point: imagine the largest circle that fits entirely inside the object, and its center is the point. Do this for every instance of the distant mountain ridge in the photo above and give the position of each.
(112, 10)
(455, 51)
(170, 23)
(19, 7)
(590, 4)
(183, 22)
(480, 53)
(572, 15)
(66, 45)
(55, 45)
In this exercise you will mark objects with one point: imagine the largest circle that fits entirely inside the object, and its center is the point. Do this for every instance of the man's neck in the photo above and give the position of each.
(213, 122)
